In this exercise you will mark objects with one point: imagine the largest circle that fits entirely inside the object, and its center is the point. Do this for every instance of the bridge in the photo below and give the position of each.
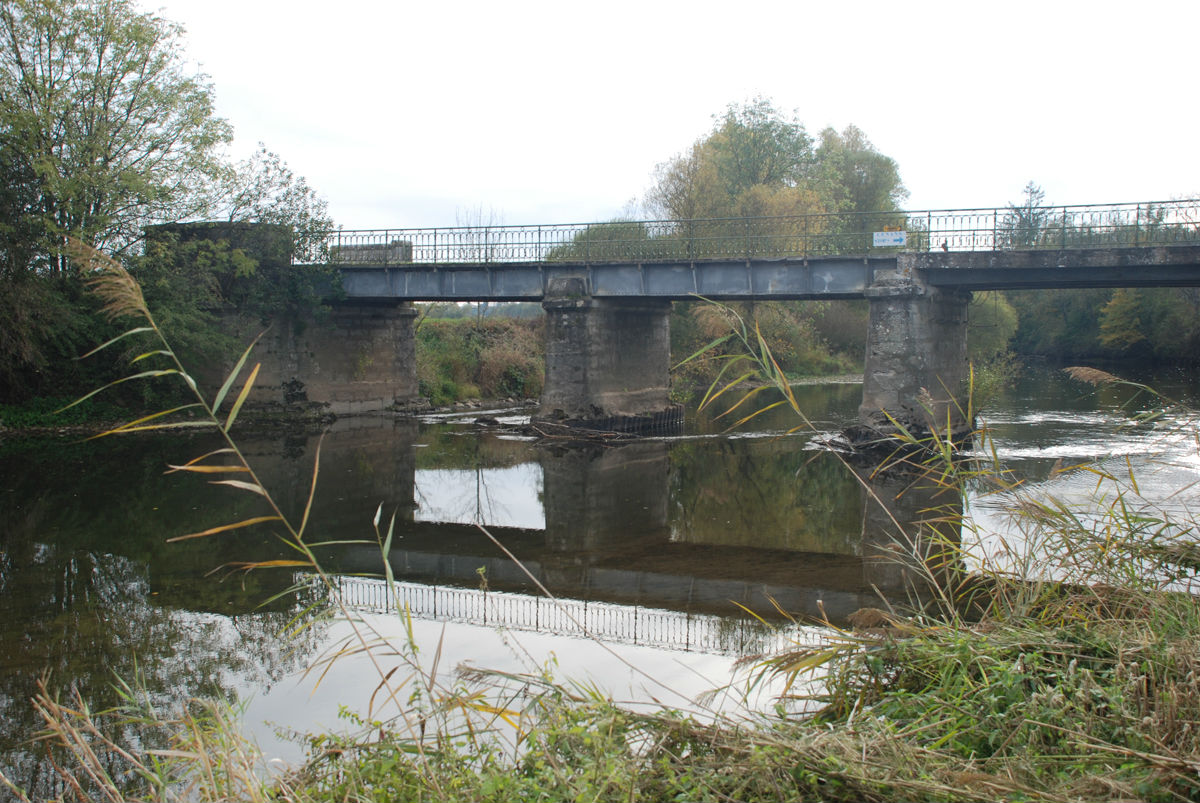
(607, 288)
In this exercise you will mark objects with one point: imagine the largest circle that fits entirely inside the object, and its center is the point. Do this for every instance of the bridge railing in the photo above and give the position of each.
(626, 624)
(795, 236)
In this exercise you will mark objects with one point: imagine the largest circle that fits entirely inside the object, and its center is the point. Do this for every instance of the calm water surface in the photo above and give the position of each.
(657, 547)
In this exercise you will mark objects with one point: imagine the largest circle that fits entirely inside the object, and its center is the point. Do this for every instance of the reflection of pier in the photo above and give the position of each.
(624, 624)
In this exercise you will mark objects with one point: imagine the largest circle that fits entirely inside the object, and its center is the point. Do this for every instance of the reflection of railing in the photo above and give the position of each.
(1088, 226)
(627, 624)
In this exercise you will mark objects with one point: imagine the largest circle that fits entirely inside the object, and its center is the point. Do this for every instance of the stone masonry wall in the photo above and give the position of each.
(360, 360)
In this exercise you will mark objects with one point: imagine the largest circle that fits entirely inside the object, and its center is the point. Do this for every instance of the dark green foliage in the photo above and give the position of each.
(1158, 324)
(105, 130)
(106, 121)
(992, 323)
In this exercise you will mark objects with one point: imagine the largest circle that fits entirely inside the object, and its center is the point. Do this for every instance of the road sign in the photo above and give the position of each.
(884, 239)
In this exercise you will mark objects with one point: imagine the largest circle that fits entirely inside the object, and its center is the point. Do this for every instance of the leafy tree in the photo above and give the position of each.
(757, 162)
(105, 131)
(751, 147)
(854, 176)
(755, 145)
(98, 106)
(1121, 320)
(992, 322)
(263, 189)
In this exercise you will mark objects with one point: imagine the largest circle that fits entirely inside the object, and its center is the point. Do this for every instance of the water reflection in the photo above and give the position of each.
(90, 593)
(711, 526)
(654, 543)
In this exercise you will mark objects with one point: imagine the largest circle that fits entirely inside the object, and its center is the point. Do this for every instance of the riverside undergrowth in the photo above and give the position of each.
(1057, 664)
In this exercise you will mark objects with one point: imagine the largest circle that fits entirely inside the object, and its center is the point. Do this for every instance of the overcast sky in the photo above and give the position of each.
(422, 113)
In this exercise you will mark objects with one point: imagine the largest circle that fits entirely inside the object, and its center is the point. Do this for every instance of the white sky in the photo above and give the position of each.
(421, 113)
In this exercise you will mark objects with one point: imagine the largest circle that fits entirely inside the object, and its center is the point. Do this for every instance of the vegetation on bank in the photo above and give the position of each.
(1137, 326)
(492, 358)
(106, 130)
(1056, 660)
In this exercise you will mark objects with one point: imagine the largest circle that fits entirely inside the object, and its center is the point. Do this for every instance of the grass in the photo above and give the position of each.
(1067, 670)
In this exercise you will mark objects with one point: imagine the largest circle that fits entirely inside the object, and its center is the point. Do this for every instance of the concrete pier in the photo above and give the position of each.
(916, 369)
(607, 360)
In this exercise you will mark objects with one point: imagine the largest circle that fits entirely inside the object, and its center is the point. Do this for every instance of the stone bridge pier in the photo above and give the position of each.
(607, 360)
(916, 369)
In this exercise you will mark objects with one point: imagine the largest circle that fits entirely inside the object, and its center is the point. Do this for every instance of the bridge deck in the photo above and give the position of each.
(816, 256)
(781, 278)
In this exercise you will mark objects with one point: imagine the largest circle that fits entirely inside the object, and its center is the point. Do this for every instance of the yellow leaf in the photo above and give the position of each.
(225, 527)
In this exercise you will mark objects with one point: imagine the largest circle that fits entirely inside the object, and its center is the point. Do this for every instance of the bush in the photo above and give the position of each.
(492, 359)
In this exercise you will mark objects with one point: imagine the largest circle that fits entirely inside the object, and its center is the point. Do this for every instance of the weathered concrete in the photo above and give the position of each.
(916, 364)
(360, 360)
(607, 361)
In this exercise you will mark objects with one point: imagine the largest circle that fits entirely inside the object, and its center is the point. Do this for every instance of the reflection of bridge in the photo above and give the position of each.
(607, 289)
(625, 624)
(630, 525)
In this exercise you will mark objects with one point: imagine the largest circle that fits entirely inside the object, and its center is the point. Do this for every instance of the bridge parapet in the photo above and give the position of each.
(788, 236)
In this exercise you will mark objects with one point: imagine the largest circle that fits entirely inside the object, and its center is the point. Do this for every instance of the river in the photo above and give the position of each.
(659, 548)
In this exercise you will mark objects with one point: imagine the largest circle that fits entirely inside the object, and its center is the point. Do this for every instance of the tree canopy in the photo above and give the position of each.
(106, 130)
(104, 121)
(757, 161)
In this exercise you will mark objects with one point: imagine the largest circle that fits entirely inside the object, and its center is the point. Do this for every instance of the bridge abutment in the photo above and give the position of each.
(607, 360)
(360, 359)
(916, 368)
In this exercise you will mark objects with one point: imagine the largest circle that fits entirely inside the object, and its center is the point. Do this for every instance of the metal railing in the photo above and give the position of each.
(626, 624)
(797, 236)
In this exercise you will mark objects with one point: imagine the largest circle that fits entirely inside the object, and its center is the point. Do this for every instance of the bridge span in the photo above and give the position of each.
(607, 288)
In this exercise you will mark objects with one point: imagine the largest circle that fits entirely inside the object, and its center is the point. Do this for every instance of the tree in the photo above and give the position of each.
(751, 147)
(105, 132)
(854, 176)
(754, 144)
(758, 162)
(99, 111)
(1024, 224)
(992, 322)
(1121, 324)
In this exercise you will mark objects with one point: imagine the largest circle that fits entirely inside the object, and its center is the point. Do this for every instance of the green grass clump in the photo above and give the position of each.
(49, 412)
